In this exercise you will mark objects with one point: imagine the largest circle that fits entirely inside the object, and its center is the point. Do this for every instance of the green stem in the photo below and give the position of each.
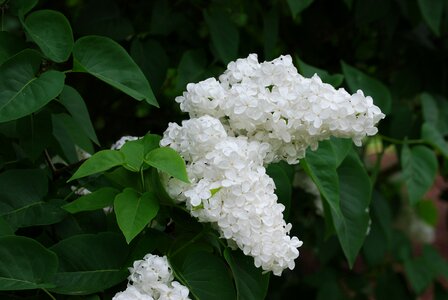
(142, 179)
(401, 142)
(49, 294)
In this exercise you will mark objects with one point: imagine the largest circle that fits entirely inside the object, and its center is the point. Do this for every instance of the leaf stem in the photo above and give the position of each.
(49, 294)
(142, 179)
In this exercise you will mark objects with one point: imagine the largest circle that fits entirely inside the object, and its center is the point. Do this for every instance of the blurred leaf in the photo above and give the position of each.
(10, 44)
(103, 17)
(419, 170)
(369, 85)
(35, 133)
(21, 190)
(109, 62)
(308, 71)
(21, 92)
(152, 59)
(418, 274)
(391, 286)
(90, 263)
(5, 229)
(435, 262)
(378, 241)
(432, 13)
(297, 6)
(355, 194)
(22, 6)
(204, 274)
(134, 211)
(430, 109)
(25, 264)
(51, 31)
(435, 138)
(224, 35)
(427, 211)
(169, 161)
(251, 283)
(121, 177)
(64, 124)
(96, 200)
(283, 187)
(75, 105)
(191, 68)
(99, 162)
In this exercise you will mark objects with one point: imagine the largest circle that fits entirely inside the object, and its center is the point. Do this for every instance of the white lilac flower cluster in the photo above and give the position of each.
(254, 115)
(230, 189)
(271, 102)
(152, 279)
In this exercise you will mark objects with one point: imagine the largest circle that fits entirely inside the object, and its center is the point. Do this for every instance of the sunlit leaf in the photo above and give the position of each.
(134, 211)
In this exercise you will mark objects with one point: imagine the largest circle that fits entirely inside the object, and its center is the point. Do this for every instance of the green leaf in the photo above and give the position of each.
(35, 133)
(419, 171)
(152, 59)
(95, 200)
(135, 151)
(25, 264)
(73, 136)
(99, 162)
(5, 229)
(10, 44)
(134, 211)
(89, 263)
(418, 274)
(378, 241)
(369, 85)
(432, 135)
(109, 62)
(283, 187)
(18, 7)
(432, 13)
(251, 283)
(224, 35)
(21, 190)
(297, 6)
(355, 194)
(75, 105)
(427, 211)
(21, 92)
(51, 31)
(436, 263)
(430, 109)
(169, 161)
(204, 274)
(308, 71)
(191, 68)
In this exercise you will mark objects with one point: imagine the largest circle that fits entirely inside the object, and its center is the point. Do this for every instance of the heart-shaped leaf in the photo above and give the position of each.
(109, 62)
(134, 211)
(21, 92)
(51, 31)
